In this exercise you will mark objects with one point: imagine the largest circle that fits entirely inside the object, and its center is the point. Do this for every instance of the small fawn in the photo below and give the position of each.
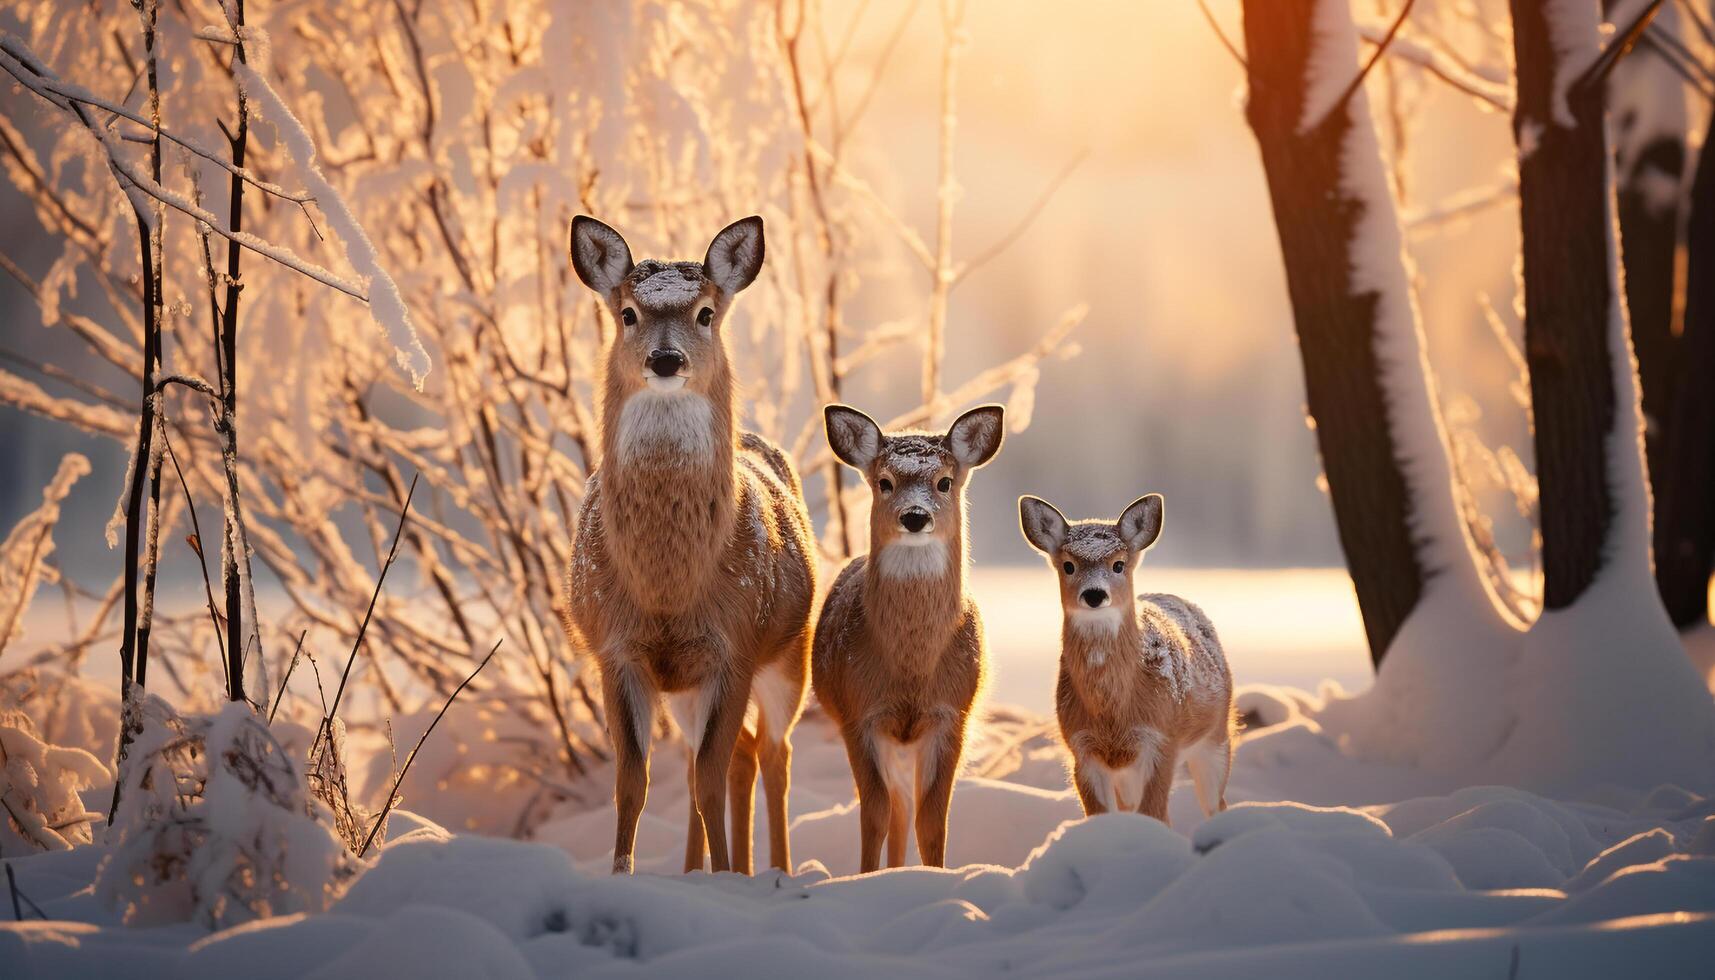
(692, 573)
(1140, 682)
(898, 655)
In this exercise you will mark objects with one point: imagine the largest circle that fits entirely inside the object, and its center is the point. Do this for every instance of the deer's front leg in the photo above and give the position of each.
(873, 805)
(630, 705)
(1092, 787)
(714, 758)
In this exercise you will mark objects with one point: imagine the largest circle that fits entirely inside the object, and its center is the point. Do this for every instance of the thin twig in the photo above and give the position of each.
(339, 692)
(1618, 48)
(202, 561)
(393, 793)
(1215, 26)
(1364, 72)
(1694, 78)
(1698, 18)
(287, 675)
(19, 899)
(1025, 221)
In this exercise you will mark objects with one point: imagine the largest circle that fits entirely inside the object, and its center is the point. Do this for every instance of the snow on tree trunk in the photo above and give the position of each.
(1602, 688)
(1685, 484)
(1384, 446)
(1646, 106)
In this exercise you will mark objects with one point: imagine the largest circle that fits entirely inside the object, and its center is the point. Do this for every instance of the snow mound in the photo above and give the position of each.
(1292, 889)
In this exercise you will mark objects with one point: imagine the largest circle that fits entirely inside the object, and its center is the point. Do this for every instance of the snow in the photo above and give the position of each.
(670, 286)
(1575, 31)
(386, 305)
(1417, 881)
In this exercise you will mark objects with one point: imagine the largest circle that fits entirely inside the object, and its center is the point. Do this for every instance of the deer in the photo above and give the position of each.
(1142, 682)
(898, 659)
(692, 574)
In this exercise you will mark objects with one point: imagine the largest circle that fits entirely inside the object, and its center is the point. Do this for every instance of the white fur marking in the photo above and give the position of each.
(1122, 788)
(777, 699)
(913, 556)
(898, 763)
(672, 382)
(1104, 620)
(1209, 762)
(690, 710)
(642, 711)
(673, 421)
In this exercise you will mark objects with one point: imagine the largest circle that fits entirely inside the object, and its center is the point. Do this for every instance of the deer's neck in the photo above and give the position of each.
(915, 595)
(669, 492)
(1102, 654)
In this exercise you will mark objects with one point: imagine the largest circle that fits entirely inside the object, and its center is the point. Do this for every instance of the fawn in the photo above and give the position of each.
(692, 573)
(898, 655)
(1140, 683)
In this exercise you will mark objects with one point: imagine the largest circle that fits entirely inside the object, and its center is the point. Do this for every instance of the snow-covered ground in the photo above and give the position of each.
(1375, 869)
(1480, 881)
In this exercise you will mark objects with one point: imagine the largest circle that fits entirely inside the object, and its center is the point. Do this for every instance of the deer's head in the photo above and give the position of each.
(1094, 560)
(917, 483)
(669, 314)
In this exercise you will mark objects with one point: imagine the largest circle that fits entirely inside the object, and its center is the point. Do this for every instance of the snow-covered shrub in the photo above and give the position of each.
(40, 809)
(65, 708)
(24, 553)
(215, 825)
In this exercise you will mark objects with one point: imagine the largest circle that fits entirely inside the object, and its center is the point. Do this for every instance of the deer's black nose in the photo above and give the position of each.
(1094, 597)
(665, 363)
(914, 520)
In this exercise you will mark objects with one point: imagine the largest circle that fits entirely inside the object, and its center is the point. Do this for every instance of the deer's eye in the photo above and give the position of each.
(628, 316)
(1119, 566)
(885, 485)
(705, 317)
(945, 485)
(1067, 567)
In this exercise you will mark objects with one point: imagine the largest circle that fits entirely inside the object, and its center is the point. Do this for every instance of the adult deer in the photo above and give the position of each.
(692, 574)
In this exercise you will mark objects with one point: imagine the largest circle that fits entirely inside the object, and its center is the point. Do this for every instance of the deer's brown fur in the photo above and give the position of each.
(1143, 683)
(898, 657)
(692, 574)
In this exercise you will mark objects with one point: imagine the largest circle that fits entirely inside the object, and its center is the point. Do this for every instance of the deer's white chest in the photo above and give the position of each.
(679, 422)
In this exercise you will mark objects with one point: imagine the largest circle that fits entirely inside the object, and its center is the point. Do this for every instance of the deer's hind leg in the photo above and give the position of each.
(1210, 762)
(779, 694)
(939, 755)
(741, 790)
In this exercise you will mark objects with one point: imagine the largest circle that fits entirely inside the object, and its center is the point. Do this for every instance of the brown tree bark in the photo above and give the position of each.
(1568, 298)
(1685, 487)
(1316, 218)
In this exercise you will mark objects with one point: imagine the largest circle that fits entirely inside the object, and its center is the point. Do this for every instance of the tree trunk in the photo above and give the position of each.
(1317, 220)
(1568, 300)
(1685, 488)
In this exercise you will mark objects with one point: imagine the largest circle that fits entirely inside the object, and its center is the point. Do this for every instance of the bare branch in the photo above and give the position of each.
(1364, 72)
(1221, 35)
(1025, 221)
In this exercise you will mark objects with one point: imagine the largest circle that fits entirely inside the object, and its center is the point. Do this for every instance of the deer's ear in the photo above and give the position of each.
(599, 254)
(854, 436)
(1140, 525)
(735, 256)
(1042, 523)
(976, 435)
